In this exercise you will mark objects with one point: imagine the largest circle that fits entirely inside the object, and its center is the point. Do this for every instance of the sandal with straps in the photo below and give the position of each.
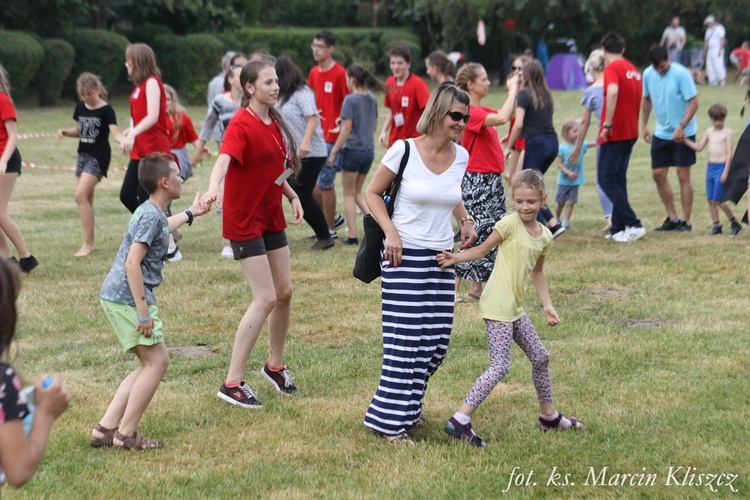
(106, 439)
(402, 438)
(137, 442)
(546, 425)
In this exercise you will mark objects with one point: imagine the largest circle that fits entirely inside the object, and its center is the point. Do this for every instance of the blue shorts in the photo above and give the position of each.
(356, 161)
(671, 154)
(714, 186)
(566, 193)
(328, 175)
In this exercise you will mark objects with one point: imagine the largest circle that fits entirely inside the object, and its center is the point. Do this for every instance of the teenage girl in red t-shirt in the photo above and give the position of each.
(148, 132)
(10, 169)
(255, 158)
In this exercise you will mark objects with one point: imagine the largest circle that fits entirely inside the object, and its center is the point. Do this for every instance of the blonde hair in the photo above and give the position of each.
(174, 110)
(4, 81)
(438, 105)
(142, 62)
(468, 73)
(528, 178)
(90, 82)
(595, 61)
(568, 124)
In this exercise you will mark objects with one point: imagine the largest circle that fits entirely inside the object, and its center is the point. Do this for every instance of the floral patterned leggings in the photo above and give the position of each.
(499, 337)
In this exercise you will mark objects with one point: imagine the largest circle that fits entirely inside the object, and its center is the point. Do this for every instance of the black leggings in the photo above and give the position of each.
(303, 186)
(132, 193)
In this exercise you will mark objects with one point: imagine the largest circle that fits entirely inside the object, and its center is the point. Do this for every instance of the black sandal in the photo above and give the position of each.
(546, 425)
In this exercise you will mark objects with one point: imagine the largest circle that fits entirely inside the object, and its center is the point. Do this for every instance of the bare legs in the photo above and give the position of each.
(85, 200)
(8, 226)
(352, 183)
(667, 196)
(272, 302)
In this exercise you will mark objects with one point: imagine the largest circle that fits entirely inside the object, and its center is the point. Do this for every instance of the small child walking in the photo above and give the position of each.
(570, 175)
(127, 298)
(95, 119)
(718, 138)
(181, 133)
(522, 245)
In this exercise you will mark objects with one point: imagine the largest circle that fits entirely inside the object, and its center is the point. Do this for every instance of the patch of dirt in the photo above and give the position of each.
(643, 324)
(608, 293)
(192, 351)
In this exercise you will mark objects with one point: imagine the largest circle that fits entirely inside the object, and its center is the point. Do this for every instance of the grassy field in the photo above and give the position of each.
(652, 353)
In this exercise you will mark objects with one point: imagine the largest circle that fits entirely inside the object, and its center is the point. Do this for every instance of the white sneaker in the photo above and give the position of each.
(630, 234)
(227, 253)
(175, 255)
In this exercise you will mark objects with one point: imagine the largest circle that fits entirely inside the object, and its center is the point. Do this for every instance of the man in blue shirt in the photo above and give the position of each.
(669, 89)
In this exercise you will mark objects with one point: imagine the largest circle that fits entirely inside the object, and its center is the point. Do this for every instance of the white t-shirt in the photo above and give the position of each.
(673, 36)
(425, 201)
(714, 36)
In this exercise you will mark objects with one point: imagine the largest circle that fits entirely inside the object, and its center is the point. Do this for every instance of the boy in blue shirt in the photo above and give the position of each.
(571, 175)
(128, 300)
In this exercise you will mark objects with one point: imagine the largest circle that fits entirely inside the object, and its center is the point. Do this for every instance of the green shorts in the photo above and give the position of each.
(124, 320)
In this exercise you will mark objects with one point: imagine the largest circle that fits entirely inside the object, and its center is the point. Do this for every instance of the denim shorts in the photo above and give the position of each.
(356, 161)
(328, 175)
(88, 164)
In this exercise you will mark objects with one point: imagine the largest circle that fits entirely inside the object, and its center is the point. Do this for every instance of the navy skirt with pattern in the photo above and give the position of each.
(417, 301)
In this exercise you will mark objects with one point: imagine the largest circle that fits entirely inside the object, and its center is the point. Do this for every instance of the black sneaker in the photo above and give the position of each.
(557, 231)
(240, 396)
(282, 381)
(28, 264)
(736, 228)
(684, 227)
(465, 432)
(669, 225)
(716, 229)
(338, 221)
(351, 241)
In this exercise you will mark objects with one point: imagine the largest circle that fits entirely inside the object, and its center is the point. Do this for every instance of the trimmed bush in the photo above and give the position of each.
(21, 55)
(55, 69)
(189, 62)
(147, 33)
(100, 52)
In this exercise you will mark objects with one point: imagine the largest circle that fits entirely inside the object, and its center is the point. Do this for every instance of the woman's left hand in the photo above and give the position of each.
(468, 236)
(296, 211)
(126, 144)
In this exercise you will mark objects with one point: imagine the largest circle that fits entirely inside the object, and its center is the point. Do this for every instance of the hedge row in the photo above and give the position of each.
(187, 62)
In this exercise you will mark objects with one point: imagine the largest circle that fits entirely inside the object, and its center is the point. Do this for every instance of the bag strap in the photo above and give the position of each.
(396, 184)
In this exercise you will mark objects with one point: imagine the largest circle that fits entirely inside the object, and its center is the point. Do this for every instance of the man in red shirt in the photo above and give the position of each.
(618, 132)
(406, 97)
(328, 81)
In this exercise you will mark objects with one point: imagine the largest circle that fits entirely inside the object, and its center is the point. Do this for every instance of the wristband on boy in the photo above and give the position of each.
(190, 217)
(143, 320)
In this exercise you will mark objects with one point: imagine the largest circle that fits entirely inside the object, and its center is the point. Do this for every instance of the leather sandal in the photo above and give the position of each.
(137, 442)
(106, 439)
(402, 438)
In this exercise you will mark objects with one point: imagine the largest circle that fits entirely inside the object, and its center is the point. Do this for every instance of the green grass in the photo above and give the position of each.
(652, 353)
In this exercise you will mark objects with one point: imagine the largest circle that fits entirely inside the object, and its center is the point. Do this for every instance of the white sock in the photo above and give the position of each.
(565, 423)
(461, 418)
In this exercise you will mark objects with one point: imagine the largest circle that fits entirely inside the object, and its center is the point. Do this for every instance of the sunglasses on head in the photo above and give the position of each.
(457, 116)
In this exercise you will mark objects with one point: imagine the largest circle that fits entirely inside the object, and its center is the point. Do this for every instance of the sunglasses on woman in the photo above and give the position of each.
(516, 68)
(457, 116)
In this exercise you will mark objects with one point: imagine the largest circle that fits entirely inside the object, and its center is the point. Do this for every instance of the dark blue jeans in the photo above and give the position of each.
(611, 173)
(541, 151)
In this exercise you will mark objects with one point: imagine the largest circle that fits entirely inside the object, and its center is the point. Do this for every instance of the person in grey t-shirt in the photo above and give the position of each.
(359, 116)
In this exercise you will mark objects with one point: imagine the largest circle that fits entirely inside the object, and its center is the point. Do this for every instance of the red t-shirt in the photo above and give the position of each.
(630, 89)
(520, 144)
(156, 139)
(409, 100)
(743, 56)
(186, 133)
(482, 143)
(7, 112)
(330, 89)
(252, 200)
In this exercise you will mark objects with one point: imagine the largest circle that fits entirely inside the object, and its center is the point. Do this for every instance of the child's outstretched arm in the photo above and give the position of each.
(217, 177)
(67, 132)
(196, 210)
(448, 259)
(699, 146)
(20, 454)
(540, 283)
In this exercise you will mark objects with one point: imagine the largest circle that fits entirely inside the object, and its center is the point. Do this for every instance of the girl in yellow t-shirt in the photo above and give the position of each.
(522, 245)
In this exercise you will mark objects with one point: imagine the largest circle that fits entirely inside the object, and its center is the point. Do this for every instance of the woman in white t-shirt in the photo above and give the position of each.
(417, 295)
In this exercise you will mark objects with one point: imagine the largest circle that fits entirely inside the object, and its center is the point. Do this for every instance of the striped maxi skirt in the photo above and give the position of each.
(417, 301)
